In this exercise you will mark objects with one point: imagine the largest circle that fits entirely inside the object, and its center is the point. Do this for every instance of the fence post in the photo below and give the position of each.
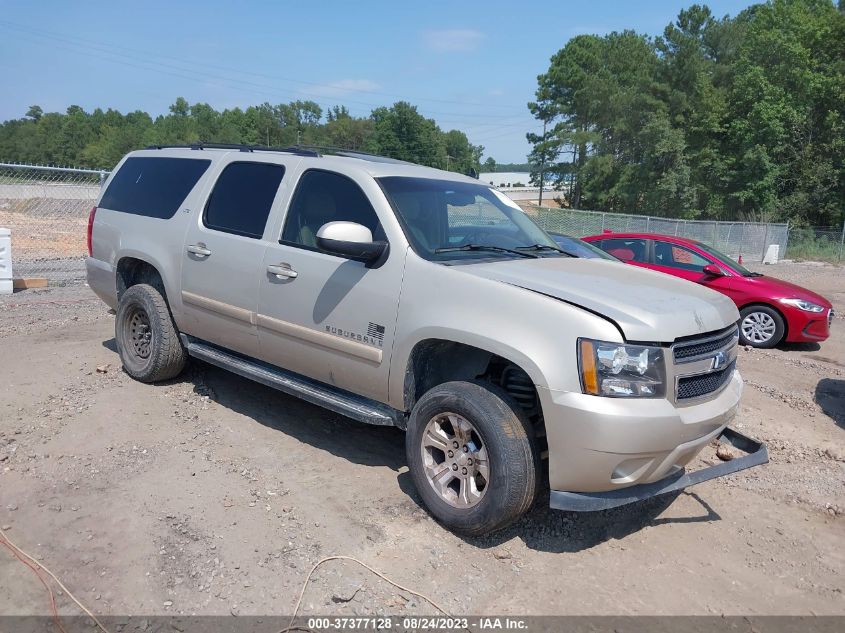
(603, 216)
(785, 241)
(841, 241)
(648, 224)
(765, 239)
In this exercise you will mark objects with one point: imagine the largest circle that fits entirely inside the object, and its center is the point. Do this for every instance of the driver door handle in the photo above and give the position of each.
(282, 271)
(198, 249)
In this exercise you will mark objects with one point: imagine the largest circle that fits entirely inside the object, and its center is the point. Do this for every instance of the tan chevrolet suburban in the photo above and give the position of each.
(401, 295)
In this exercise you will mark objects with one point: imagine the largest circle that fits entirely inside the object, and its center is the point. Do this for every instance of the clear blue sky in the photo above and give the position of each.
(468, 66)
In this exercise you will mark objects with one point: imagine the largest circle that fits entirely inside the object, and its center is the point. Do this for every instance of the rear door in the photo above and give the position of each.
(224, 248)
(327, 317)
(631, 250)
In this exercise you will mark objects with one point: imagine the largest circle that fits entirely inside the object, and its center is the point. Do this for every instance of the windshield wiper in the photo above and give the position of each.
(753, 274)
(544, 247)
(484, 247)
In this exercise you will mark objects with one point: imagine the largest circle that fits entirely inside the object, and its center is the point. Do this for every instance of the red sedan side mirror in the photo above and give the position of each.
(713, 270)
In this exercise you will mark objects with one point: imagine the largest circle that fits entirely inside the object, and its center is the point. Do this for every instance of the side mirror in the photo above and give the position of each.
(713, 271)
(351, 240)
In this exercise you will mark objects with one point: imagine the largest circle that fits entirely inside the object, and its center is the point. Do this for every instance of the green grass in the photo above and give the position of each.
(807, 244)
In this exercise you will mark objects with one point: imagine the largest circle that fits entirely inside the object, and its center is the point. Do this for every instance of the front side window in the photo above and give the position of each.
(628, 250)
(727, 261)
(323, 197)
(674, 256)
(440, 216)
(242, 197)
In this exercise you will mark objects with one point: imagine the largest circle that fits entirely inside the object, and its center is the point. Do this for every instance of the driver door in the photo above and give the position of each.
(686, 263)
(321, 315)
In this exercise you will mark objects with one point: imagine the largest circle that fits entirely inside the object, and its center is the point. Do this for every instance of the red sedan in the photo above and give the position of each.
(770, 310)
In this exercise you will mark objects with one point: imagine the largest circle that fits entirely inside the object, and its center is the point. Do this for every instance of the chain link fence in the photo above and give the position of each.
(47, 209)
(749, 239)
(824, 243)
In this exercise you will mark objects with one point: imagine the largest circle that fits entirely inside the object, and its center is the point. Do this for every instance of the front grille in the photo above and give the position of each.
(702, 384)
(694, 349)
(830, 318)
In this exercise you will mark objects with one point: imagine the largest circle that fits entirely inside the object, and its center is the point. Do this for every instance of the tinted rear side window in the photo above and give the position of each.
(242, 197)
(626, 249)
(154, 187)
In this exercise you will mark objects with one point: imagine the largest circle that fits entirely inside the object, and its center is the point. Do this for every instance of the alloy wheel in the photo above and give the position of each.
(758, 327)
(455, 460)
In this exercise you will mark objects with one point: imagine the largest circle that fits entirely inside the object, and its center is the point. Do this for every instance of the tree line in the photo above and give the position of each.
(719, 118)
(490, 165)
(100, 138)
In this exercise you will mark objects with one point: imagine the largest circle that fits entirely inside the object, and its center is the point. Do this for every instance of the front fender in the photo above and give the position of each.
(536, 332)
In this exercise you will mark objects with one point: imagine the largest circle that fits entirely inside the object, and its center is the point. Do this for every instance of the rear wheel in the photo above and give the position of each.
(472, 456)
(147, 339)
(760, 326)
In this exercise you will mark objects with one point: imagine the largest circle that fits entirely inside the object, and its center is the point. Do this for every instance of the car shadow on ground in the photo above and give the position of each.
(830, 396)
(359, 443)
(554, 531)
(799, 347)
(541, 528)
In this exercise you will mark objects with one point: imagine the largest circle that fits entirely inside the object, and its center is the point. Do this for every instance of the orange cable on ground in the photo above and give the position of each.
(43, 582)
(21, 554)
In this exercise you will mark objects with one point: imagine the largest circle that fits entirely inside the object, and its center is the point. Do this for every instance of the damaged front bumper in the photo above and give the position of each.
(593, 501)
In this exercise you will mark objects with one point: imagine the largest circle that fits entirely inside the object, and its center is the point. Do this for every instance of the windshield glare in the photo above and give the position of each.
(579, 248)
(727, 261)
(439, 214)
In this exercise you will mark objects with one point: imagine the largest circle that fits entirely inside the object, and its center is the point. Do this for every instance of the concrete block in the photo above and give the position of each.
(5, 262)
(772, 253)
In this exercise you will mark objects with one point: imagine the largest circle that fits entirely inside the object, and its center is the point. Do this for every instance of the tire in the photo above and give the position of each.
(147, 339)
(760, 326)
(501, 438)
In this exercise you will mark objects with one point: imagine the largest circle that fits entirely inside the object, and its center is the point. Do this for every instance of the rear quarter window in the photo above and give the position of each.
(153, 187)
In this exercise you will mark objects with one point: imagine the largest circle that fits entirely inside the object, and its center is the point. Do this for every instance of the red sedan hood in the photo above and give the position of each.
(779, 289)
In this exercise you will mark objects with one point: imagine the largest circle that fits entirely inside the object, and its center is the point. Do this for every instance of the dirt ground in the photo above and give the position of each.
(214, 495)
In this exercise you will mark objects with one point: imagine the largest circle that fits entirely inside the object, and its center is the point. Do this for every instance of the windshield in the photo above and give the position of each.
(579, 248)
(441, 216)
(727, 261)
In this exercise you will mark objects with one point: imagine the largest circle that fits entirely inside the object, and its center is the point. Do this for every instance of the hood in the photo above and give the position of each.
(646, 305)
(779, 289)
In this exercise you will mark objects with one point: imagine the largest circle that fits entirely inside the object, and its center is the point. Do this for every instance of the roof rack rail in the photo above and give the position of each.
(354, 153)
(300, 151)
(314, 151)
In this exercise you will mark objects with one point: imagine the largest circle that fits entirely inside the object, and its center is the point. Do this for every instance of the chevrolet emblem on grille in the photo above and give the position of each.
(719, 360)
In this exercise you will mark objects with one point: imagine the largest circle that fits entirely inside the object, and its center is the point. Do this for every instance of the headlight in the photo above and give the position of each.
(806, 306)
(620, 371)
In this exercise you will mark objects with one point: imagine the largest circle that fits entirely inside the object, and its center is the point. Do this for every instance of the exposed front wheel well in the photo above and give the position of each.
(435, 361)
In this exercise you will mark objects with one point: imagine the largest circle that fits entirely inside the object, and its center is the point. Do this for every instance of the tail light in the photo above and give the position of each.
(91, 230)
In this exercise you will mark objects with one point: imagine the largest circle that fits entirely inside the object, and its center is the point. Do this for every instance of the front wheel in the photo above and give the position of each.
(760, 326)
(472, 456)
